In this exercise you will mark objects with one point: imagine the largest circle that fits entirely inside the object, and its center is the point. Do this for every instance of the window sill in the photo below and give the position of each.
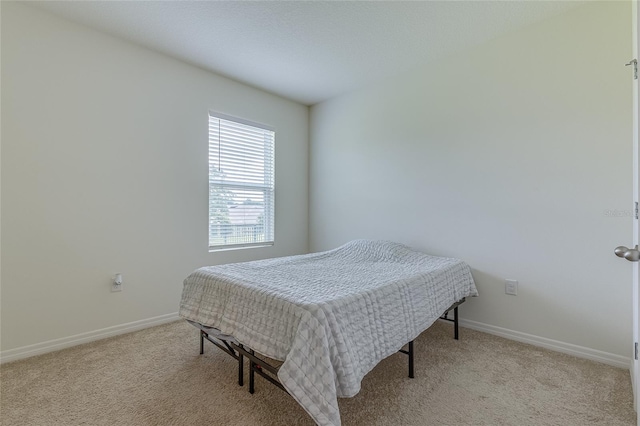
(239, 247)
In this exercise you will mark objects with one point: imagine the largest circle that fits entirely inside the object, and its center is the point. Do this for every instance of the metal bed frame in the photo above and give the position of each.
(260, 366)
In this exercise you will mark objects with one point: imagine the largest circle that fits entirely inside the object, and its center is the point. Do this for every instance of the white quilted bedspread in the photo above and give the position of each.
(330, 316)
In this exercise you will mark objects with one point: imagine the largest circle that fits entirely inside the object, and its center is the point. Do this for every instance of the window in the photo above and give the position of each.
(241, 183)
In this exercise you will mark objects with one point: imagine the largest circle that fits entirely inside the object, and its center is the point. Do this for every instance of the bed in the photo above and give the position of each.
(329, 317)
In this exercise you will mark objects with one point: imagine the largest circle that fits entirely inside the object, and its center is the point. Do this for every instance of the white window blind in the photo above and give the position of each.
(241, 183)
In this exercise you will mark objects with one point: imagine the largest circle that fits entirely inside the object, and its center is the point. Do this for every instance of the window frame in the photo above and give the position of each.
(268, 192)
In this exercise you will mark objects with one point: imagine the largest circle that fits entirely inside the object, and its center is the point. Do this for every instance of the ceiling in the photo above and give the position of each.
(307, 51)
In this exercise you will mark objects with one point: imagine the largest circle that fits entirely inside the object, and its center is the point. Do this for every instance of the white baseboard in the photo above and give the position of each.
(554, 345)
(78, 339)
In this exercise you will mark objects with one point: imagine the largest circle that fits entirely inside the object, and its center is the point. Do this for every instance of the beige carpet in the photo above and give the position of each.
(157, 377)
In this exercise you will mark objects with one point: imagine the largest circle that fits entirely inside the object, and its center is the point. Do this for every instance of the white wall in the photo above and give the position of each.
(104, 170)
(506, 156)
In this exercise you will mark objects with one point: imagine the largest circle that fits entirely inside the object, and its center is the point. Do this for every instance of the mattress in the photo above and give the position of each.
(331, 316)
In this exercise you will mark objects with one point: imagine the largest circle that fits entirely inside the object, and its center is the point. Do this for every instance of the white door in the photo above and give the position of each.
(635, 370)
(633, 254)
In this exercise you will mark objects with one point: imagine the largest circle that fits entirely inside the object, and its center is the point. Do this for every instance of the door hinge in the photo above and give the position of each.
(634, 62)
(636, 209)
(636, 352)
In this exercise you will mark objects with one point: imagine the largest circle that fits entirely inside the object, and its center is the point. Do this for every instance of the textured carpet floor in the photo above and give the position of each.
(157, 377)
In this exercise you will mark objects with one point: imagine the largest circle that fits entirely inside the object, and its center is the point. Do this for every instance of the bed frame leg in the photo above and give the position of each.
(201, 342)
(240, 369)
(411, 360)
(252, 373)
(455, 323)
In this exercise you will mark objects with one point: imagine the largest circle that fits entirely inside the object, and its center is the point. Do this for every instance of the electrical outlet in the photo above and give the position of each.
(116, 284)
(511, 287)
